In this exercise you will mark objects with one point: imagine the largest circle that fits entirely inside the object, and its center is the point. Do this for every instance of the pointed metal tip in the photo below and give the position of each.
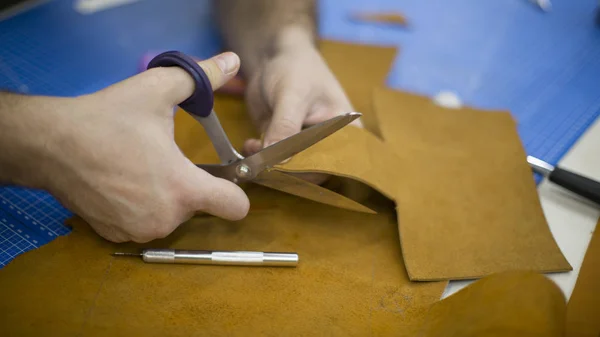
(349, 117)
(126, 254)
(354, 115)
(540, 166)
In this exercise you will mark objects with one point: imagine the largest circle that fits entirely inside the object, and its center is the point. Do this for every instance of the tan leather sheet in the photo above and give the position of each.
(583, 309)
(467, 202)
(350, 281)
(359, 68)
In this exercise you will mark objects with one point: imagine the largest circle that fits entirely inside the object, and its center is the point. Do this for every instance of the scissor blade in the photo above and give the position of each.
(292, 145)
(292, 185)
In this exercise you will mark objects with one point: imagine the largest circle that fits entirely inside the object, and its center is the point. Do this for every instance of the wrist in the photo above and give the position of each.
(29, 131)
(293, 39)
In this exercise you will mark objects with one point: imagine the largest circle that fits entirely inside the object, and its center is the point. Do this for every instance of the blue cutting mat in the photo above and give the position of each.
(28, 219)
(544, 67)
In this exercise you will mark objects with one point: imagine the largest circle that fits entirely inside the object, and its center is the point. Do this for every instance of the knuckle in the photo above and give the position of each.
(164, 225)
(285, 127)
(155, 78)
(140, 239)
(158, 232)
(141, 235)
(158, 228)
(120, 239)
(203, 203)
(211, 73)
(162, 232)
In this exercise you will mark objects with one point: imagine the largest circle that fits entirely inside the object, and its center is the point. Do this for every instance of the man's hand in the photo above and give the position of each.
(293, 89)
(290, 85)
(111, 157)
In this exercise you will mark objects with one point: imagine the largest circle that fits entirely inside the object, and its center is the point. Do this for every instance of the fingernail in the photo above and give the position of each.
(228, 62)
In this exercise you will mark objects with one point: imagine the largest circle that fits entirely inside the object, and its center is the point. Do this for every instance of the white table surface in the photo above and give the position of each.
(572, 219)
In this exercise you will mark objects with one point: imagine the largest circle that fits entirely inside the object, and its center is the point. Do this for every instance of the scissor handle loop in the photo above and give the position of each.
(202, 100)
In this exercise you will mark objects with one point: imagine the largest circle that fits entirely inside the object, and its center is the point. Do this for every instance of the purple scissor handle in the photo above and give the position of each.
(200, 104)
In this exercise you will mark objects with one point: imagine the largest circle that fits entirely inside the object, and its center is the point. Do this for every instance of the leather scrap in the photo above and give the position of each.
(360, 68)
(356, 154)
(389, 18)
(524, 304)
(583, 309)
(467, 201)
(290, 184)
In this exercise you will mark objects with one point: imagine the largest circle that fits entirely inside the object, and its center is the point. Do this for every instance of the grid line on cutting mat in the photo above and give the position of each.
(28, 220)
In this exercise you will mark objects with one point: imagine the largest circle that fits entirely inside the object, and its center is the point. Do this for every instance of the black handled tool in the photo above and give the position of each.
(583, 186)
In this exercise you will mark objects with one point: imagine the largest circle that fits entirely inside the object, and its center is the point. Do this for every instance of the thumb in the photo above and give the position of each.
(178, 85)
(221, 68)
(216, 196)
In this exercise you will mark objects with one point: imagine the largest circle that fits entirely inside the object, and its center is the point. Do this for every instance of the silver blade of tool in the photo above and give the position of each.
(576, 183)
(292, 145)
(540, 166)
(220, 171)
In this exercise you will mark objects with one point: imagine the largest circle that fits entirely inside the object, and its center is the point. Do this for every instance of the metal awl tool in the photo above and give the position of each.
(222, 258)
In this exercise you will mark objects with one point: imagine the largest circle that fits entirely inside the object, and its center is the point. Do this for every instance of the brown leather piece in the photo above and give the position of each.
(350, 281)
(523, 304)
(296, 186)
(583, 309)
(354, 153)
(360, 68)
(467, 201)
(395, 19)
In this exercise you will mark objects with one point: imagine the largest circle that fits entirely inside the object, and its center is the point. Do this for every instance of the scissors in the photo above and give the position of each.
(234, 167)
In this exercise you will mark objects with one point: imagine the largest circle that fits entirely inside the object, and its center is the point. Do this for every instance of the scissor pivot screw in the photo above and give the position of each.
(242, 171)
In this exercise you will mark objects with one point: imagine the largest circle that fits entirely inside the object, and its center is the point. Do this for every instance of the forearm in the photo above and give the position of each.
(258, 29)
(28, 136)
